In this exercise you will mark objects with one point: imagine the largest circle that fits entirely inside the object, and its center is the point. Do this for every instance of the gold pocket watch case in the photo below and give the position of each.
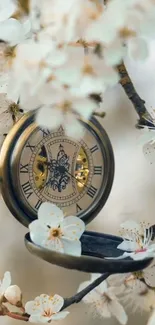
(38, 165)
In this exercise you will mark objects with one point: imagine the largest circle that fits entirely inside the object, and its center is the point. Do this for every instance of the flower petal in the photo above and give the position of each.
(56, 58)
(27, 27)
(7, 10)
(54, 244)
(13, 294)
(33, 307)
(114, 54)
(103, 309)
(141, 255)
(138, 49)
(117, 290)
(60, 315)
(85, 107)
(118, 311)
(49, 117)
(68, 76)
(128, 245)
(131, 225)
(73, 227)
(73, 128)
(35, 319)
(50, 215)
(38, 232)
(71, 247)
(6, 282)
(56, 303)
(123, 256)
(88, 85)
(11, 31)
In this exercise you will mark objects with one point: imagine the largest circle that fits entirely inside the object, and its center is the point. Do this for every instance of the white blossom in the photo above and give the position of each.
(13, 295)
(62, 108)
(138, 296)
(9, 114)
(58, 106)
(45, 308)
(135, 292)
(32, 66)
(86, 73)
(148, 275)
(12, 30)
(147, 141)
(104, 301)
(56, 233)
(53, 56)
(137, 241)
(67, 23)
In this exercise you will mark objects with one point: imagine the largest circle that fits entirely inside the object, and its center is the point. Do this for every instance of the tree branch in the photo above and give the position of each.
(80, 295)
(17, 316)
(139, 104)
(67, 301)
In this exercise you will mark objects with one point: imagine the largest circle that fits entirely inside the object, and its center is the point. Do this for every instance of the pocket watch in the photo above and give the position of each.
(38, 165)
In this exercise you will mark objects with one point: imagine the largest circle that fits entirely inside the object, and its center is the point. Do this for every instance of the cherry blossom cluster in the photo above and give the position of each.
(57, 55)
(51, 230)
(63, 235)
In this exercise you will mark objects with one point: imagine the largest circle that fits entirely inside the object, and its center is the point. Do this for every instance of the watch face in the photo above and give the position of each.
(56, 168)
(49, 166)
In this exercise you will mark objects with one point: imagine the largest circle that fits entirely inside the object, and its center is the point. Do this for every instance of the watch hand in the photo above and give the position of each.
(76, 179)
(49, 164)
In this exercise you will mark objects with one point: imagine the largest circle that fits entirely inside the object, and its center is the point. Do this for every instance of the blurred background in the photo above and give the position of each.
(132, 196)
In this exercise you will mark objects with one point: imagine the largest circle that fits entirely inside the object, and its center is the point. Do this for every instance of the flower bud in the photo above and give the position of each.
(13, 295)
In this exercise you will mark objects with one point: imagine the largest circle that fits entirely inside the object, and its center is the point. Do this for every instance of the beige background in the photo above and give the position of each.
(132, 196)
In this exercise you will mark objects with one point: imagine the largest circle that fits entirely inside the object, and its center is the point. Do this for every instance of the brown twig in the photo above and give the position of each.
(17, 316)
(139, 104)
(67, 302)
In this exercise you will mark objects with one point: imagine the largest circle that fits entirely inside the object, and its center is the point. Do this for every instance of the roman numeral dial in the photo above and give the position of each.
(27, 189)
(97, 170)
(56, 168)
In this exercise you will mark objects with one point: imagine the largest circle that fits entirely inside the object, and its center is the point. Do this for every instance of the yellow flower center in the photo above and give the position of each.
(65, 106)
(126, 33)
(88, 69)
(106, 297)
(47, 313)
(9, 55)
(55, 233)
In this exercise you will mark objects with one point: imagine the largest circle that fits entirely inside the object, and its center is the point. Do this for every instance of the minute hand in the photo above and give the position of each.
(77, 179)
